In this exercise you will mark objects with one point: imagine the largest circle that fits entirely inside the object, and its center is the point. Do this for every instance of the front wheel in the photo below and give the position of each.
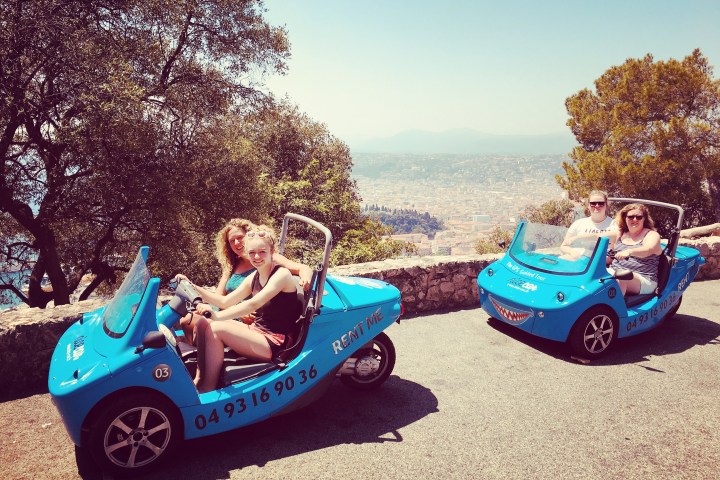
(593, 334)
(373, 365)
(134, 434)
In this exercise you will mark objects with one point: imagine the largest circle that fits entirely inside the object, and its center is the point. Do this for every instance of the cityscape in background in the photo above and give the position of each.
(471, 194)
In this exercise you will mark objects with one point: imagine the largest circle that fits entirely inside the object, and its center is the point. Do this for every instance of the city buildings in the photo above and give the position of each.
(471, 194)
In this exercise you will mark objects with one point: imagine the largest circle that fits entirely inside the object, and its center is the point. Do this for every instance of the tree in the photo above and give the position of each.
(368, 241)
(650, 130)
(106, 113)
(496, 242)
(306, 170)
(552, 212)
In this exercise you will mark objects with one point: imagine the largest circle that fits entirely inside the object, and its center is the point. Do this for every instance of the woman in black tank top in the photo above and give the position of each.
(274, 299)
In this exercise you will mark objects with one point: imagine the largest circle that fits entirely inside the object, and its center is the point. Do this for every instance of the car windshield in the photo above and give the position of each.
(121, 310)
(539, 246)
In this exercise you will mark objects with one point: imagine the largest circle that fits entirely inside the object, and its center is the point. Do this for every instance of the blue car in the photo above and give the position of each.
(122, 381)
(573, 298)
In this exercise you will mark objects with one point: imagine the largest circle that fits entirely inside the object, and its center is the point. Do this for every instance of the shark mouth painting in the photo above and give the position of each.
(510, 314)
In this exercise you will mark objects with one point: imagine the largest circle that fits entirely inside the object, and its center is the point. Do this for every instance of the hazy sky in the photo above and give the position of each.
(376, 68)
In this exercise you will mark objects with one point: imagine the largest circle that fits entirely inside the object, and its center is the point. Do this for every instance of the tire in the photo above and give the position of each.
(593, 334)
(153, 423)
(375, 362)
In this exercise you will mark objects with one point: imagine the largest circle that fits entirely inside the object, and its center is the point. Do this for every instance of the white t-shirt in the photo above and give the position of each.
(586, 225)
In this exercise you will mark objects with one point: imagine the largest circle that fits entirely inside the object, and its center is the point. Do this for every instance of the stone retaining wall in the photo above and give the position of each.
(28, 336)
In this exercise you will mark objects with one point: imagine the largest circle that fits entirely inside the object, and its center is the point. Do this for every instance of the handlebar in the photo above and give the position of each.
(192, 297)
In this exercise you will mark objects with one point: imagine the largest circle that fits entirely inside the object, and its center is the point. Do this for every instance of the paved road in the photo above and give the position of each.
(468, 399)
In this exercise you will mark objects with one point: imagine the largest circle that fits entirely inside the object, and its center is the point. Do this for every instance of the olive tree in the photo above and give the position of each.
(651, 129)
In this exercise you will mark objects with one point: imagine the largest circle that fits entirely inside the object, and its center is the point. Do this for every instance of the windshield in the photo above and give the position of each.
(540, 247)
(121, 310)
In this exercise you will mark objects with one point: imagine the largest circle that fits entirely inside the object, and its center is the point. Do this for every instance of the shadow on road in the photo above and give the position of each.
(341, 416)
(676, 335)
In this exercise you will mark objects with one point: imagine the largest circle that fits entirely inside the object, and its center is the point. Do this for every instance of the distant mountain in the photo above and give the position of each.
(467, 141)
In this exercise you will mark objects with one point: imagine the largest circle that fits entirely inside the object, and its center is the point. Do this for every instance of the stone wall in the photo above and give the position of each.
(28, 336)
(709, 248)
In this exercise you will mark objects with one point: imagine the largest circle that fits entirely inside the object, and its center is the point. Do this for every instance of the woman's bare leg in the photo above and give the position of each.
(201, 333)
(630, 287)
(212, 340)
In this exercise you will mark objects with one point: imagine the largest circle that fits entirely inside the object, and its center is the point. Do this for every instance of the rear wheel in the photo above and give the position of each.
(674, 309)
(134, 434)
(375, 362)
(593, 334)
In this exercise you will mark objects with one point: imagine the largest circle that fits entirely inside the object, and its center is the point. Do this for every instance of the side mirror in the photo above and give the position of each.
(154, 339)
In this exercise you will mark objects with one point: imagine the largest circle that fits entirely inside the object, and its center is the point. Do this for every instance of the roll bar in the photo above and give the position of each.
(320, 282)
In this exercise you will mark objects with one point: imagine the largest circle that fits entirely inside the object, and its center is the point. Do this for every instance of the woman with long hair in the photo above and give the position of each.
(637, 248)
(274, 298)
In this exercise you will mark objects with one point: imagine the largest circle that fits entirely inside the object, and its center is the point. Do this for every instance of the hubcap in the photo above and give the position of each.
(598, 334)
(137, 437)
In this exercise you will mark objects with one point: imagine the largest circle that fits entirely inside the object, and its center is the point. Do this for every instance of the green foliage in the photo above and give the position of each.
(496, 242)
(405, 221)
(111, 116)
(650, 130)
(370, 241)
(552, 212)
(144, 123)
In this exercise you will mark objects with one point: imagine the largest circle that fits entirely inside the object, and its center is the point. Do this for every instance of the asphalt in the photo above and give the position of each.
(469, 398)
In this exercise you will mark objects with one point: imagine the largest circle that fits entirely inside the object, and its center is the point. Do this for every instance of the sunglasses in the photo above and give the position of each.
(597, 204)
(635, 217)
(260, 234)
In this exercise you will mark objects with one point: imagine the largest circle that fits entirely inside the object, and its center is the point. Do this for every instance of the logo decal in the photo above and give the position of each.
(77, 348)
(510, 314)
(612, 292)
(522, 285)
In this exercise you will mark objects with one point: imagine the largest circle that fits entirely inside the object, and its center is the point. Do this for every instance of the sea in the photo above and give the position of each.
(7, 298)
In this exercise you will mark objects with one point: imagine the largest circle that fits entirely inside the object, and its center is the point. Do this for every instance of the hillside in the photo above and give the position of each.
(466, 141)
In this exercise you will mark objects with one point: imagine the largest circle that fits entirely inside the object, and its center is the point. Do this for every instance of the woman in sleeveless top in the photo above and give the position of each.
(274, 298)
(637, 248)
(230, 252)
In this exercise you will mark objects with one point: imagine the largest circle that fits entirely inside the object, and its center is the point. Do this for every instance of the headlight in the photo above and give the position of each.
(560, 297)
(490, 272)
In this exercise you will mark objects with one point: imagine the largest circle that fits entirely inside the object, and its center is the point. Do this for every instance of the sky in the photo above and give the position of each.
(375, 68)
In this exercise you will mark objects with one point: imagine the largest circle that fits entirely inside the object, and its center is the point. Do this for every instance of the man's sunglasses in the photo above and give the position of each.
(597, 204)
